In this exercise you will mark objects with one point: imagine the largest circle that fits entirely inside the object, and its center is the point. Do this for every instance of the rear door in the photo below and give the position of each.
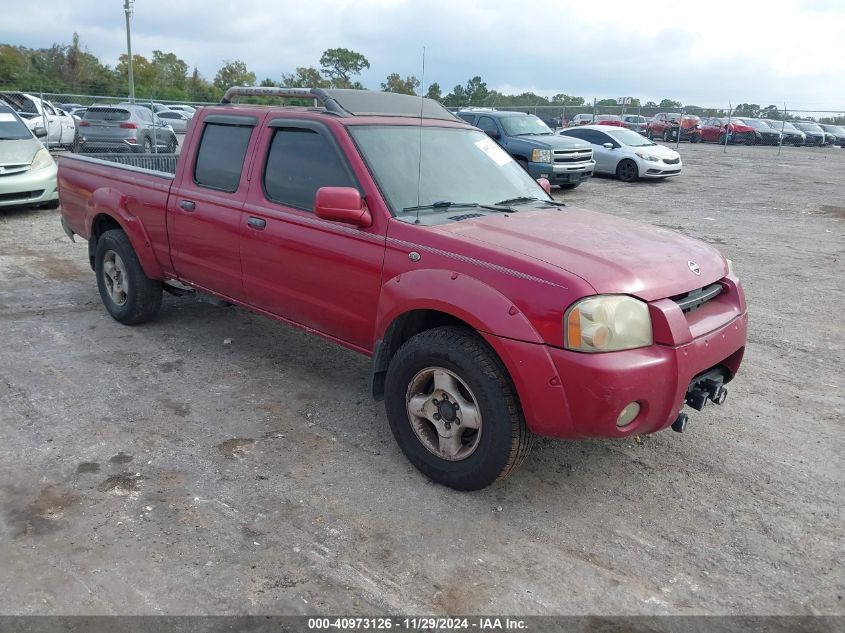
(321, 274)
(204, 207)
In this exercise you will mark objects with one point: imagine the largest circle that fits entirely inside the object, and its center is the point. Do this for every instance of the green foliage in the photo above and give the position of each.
(567, 100)
(669, 104)
(304, 77)
(395, 83)
(340, 64)
(234, 73)
(434, 92)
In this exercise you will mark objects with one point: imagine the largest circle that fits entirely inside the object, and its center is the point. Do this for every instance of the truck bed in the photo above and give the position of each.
(155, 164)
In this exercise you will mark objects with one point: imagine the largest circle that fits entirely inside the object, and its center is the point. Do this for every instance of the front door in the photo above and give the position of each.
(321, 274)
(204, 208)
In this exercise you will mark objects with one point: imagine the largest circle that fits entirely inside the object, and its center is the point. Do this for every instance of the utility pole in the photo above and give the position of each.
(127, 9)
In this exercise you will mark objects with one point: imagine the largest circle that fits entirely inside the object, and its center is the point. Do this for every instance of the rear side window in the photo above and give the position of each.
(299, 162)
(220, 158)
(106, 114)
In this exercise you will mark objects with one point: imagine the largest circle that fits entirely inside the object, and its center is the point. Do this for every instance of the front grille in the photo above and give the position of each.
(572, 156)
(9, 170)
(697, 298)
(671, 161)
(21, 195)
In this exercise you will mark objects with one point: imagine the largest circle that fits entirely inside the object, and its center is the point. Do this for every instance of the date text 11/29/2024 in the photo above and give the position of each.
(480, 623)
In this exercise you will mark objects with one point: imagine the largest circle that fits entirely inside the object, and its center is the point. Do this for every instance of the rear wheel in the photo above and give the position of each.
(453, 409)
(147, 146)
(721, 139)
(627, 170)
(667, 136)
(649, 134)
(171, 146)
(128, 295)
(751, 139)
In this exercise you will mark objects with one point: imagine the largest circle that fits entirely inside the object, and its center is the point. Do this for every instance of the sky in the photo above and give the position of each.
(789, 51)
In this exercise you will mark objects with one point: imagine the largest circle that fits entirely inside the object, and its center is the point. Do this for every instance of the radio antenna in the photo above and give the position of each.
(419, 162)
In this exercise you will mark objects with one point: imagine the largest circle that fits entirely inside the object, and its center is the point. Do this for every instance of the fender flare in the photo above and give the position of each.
(114, 203)
(456, 294)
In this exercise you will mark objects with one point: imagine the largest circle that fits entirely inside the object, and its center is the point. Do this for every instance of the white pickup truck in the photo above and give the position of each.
(35, 112)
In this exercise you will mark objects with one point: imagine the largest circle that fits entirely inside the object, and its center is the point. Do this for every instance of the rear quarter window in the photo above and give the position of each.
(221, 155)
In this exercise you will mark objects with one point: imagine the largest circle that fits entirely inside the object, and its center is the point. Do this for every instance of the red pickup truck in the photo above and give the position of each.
(383, 223)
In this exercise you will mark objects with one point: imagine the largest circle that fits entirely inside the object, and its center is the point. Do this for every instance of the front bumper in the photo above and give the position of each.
(29, 187)
(561, 173)
(650, 169)
(572, 395)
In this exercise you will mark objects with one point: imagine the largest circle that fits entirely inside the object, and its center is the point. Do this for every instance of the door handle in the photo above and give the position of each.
(256, 223)
(187, 205)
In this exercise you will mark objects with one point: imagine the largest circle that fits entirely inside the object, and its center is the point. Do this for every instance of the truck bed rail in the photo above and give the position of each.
(159, 164)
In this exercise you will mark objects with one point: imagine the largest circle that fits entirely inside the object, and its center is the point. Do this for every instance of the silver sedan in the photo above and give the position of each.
(627, 155)
(175, 119)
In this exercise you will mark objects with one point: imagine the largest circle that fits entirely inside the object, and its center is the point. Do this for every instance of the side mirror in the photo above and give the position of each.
(342, 204)
(608, 145)
(40, 131)
(545, 184)
(494, 134)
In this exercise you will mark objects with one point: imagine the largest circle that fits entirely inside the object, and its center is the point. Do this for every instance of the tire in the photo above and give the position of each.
(751, 140)
(649, 134)
(128, 295)
(171, 146)
(721, 139)
(667, 137)
(627, 171)
(51, 204)
(147, 146)
(569, 186)
(695, 138)
(455, 361)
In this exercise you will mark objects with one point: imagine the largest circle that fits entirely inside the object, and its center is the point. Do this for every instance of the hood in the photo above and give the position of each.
(555, 141)
(18, 152)
(658, 150)
(612, 254)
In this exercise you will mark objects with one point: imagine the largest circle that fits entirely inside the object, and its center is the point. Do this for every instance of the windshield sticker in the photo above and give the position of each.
(489, 147)
(6, 117)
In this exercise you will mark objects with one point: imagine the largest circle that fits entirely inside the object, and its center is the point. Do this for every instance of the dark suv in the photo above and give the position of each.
(542, 153)
(125, 128)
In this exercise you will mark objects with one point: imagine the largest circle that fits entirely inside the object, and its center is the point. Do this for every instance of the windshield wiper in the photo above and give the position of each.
(445, 204)
(522, 199)
(535, 134)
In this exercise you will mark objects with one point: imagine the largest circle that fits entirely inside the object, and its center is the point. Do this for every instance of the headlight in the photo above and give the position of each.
(42, 159)
(648, 157)
(607, 323)
(541, 156)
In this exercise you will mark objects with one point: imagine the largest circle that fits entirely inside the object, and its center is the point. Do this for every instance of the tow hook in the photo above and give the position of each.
(680, 424)
(711, 390)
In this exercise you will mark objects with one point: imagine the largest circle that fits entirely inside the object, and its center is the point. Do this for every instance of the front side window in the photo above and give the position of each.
(221, 155)
(486, 124)
(299, 162)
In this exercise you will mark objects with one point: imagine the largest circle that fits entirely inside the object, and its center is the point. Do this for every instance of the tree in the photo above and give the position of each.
(456, 98)
(434, 92)
(234, 73)
(395, 83)
(606, 102)
(340, 64)
(171, 74)
(567, 100)
(304, 77)
(751, 110)
(669, 104)
(476, 91)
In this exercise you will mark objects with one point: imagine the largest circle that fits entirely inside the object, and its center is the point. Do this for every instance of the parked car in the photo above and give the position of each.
(35, 112)
(27, 171)
(791, 134)
(666, 126)
(543, 154)
(635, 122)
(175, 119)
(189, 110)
(154, 107)
(626, 154)
(127, 128)
(581, 119)
(763, 132)
(609, 119)
(815, 134)
(716, 129)
(836, 133)
(490, 312)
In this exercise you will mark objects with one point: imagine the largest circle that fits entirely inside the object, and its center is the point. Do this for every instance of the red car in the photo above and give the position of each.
(666, 126)
(609, 119)
(714, 130)
(490, 313)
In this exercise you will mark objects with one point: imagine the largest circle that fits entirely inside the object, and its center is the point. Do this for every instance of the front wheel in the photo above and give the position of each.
(627, 170)
(649, 134)
(453, 409)
(570, 185)
(128, 295)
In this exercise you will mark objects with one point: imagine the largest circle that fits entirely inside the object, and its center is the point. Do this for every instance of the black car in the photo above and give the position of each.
(791, 134)
(835, 134)
(815, 135)
(764, 134)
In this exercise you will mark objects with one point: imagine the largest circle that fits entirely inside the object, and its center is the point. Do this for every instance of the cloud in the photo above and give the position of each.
(753, 51)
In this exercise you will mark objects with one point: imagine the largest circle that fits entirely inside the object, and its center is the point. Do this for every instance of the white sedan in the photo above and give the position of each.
(626, 154)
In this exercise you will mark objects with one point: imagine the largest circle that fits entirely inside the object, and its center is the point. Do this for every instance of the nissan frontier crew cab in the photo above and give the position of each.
(382, 222)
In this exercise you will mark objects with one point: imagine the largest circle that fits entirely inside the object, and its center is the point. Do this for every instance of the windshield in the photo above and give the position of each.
(757, 125)
(836, 129)
(808, 127)
(635, 119)
(608, 117)
(629, 137)
(527, 125)
(455, 165)
(11, 128)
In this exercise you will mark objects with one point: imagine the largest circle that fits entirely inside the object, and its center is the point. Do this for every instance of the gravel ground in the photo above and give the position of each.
(217, 462)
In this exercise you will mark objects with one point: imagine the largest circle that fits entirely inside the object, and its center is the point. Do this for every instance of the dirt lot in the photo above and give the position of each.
(216, 462)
